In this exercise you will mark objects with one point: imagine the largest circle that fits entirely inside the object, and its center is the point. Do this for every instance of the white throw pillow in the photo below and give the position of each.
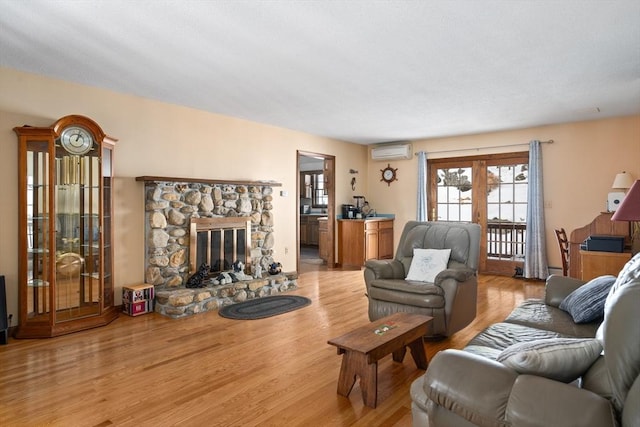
(427, 263)
(561, 359)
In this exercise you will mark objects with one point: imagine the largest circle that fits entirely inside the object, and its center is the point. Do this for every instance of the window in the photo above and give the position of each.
(314, 188)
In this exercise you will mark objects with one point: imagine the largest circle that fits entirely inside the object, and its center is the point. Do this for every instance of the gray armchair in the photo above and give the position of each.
(450, 299)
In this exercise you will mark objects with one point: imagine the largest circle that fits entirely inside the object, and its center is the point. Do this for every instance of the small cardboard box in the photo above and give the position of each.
(137, 293)
(137, 299)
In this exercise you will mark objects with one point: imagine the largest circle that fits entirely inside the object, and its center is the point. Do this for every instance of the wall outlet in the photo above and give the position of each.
(286, 251)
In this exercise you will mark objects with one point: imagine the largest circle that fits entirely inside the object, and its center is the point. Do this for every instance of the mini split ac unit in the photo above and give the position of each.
(391, 151)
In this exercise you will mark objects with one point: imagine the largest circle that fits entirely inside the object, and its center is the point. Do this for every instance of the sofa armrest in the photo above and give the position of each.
(558, 288)
(537, 401)
(383, 269)
(473, 387)
(487, 393)
(457, 274)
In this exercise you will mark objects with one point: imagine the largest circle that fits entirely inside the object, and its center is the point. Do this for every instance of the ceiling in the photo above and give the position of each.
(361, 71)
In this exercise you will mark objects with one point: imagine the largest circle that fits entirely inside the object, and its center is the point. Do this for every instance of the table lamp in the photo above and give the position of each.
(623, 181)
(629, 210)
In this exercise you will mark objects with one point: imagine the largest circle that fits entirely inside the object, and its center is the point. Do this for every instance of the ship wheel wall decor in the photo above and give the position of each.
(389, 174)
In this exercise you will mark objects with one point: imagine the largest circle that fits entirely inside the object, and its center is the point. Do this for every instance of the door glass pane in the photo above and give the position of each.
(506, 211)
(455, 196)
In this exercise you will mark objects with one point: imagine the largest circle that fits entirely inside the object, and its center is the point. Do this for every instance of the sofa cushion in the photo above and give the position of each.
(491, 341)
(536, 314)
(586, 304)
(419, 294)
(560, 359)
(427, 263)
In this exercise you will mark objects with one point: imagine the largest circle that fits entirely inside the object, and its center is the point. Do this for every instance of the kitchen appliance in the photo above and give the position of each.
(359, 201)
(305, 209)
(349, 212)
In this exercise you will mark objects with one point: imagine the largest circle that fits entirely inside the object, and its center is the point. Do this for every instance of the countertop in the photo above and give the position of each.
(378, 217)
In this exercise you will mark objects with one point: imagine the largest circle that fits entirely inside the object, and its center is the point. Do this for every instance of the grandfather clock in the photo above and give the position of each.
(65, 228)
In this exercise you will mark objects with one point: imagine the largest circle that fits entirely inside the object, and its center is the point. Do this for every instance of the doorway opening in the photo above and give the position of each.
(316, 210)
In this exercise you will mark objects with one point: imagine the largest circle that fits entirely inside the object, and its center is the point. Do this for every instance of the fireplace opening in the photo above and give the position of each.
(219, 242)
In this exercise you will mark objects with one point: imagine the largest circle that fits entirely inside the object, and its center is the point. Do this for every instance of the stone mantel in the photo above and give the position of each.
(207, 181)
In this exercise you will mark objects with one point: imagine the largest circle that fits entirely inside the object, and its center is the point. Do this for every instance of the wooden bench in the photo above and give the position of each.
(363, 347)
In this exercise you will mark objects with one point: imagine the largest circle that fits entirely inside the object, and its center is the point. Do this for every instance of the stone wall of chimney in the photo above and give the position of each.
(169, 206)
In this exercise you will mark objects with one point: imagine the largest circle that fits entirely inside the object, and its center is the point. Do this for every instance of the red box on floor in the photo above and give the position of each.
(137, 308)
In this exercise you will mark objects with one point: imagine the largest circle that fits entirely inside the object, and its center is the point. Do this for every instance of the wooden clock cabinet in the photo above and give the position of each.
(65, 228)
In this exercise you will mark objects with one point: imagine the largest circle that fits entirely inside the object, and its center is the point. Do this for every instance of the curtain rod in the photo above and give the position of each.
(483, 148)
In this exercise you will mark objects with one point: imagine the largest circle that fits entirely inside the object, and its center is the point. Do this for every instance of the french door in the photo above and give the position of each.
(488, 190)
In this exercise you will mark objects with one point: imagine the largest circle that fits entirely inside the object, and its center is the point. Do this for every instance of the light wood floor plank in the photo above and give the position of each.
(209, 370)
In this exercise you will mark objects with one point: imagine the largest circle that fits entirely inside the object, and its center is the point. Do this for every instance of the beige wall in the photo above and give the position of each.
(578, 170)
(167, 140)
(158, 139)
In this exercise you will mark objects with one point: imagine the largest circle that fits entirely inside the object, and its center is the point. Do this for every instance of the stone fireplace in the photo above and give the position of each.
(189, 222)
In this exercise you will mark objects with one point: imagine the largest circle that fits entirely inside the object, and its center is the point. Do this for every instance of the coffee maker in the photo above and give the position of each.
(348, 212)
(359, 202)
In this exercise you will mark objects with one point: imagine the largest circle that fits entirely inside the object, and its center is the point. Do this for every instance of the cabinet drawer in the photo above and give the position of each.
(371, 225)
(385, 224)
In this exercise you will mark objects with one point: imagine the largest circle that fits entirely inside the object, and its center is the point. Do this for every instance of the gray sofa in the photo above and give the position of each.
(450, 299)
(471, 388)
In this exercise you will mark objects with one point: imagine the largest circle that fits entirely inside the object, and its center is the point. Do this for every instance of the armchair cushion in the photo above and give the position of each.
(586, 303)
(427, 263)
(560, 359)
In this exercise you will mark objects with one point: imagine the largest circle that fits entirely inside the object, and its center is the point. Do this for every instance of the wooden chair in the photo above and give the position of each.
(563, 243)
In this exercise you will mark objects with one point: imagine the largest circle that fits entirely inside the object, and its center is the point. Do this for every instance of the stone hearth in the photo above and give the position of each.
(182, 302)
(170, 205)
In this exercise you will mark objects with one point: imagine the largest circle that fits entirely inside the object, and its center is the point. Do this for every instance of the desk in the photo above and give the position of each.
(595, 264)
(601, 225)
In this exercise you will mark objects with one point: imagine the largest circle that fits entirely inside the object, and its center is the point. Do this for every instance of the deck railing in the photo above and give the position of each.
(506, 240)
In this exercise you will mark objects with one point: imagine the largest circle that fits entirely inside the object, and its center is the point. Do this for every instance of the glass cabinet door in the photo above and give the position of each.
(107, 254)
(77, 191)
(38, 220)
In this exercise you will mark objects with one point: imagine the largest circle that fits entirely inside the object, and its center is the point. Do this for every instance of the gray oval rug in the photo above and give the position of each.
(260, 308)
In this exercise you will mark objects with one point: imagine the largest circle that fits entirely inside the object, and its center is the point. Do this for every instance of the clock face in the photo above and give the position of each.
(76, 140)
(388, 174)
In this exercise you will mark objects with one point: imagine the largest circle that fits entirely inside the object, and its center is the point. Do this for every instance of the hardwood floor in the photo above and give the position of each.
(210, 371)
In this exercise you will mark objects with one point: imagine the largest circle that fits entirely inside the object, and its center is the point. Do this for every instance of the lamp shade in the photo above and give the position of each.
(629, 209)
(623, 180)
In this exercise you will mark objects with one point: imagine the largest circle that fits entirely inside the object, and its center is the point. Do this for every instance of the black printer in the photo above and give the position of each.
(603, 243)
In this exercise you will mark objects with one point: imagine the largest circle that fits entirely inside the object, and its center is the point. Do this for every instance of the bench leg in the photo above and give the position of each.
(355, 364)
(418, 353)
(398, 355)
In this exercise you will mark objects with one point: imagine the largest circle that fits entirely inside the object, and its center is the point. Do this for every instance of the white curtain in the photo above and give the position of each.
(421, 213)
(535, 257)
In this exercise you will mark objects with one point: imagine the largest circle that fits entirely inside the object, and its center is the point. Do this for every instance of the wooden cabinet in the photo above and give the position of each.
(309, 230)
(304, 229)
(65, 232)
(313, 232)
(595, 264)
(363, 239)
(323, 238)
